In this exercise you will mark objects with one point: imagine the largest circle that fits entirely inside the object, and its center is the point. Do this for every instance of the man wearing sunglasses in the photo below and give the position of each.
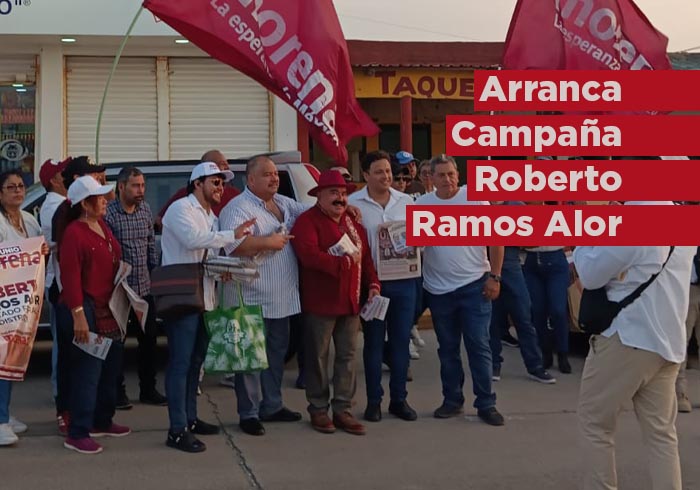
(189, 229)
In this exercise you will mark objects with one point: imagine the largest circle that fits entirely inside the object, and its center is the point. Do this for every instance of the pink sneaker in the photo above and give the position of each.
(86, 445)
(115, 430)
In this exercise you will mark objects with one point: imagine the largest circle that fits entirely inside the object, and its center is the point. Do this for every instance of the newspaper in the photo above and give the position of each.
(97, 345)
(124, 299)
(375, 309)
(241, 269)
(345, 246)
(395, 259)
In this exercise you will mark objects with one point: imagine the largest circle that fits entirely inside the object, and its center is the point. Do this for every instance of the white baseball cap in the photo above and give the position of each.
(86, 186)
(205, 169)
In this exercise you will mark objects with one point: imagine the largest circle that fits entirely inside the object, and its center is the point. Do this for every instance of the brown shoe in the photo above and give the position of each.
(322, 423)
(348, 423)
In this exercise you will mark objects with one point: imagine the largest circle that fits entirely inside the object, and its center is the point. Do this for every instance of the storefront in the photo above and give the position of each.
(167, 100)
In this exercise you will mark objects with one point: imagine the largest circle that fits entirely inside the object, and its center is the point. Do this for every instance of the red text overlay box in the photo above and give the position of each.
(557, 90)
(552, 225)
(579, 180)
(572, 135)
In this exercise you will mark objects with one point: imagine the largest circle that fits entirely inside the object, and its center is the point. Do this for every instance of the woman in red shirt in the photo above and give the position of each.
(89, 261)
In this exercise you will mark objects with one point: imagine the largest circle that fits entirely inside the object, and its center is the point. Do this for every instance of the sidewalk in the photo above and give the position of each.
(536, 450)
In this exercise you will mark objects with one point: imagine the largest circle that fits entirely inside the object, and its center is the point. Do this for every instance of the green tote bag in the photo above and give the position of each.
(236, 338)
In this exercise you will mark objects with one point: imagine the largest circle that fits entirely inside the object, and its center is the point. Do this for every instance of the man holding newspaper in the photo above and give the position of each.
(384, 212)
(335, 266)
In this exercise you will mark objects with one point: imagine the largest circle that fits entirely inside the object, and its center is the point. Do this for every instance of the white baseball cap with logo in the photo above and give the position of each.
(206, 169)
(86, 186)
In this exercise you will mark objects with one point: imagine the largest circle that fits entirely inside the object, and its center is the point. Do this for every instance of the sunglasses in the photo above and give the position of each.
(404, 179)
(217, 182)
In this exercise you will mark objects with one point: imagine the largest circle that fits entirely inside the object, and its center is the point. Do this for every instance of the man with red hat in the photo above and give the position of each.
(335, 267)
(52, 180)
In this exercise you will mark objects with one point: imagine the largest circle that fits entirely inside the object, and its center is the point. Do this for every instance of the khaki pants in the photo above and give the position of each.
(692, 323)
(613, 375)
(318, 332)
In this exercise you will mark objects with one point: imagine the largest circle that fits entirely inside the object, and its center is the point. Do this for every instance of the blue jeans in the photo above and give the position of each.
(250, 385)
(187, 346)
(93, 393)
(398, 324)
(464, 313)
(421, 300)
(547, 277)
(5, 394)
(514, 300)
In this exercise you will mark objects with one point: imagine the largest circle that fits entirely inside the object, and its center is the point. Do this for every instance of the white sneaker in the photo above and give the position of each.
(412, 351)
(17, 426)
(415, 336)
(7, 435)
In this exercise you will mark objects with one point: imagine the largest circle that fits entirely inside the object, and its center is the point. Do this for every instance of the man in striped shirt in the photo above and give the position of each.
(276, 290)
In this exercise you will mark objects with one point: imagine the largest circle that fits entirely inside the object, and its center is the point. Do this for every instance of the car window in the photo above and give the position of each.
(162, 186)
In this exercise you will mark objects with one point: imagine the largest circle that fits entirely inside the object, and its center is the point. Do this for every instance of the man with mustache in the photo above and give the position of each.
(331, 286)
(131, 221)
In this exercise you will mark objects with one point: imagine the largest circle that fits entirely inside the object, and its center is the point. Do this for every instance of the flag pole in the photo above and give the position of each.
(109, 80)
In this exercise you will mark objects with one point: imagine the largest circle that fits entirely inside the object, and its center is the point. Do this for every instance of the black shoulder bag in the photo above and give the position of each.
(597, 312)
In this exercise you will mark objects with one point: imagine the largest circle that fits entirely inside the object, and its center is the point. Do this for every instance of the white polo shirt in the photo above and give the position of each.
(446, 269)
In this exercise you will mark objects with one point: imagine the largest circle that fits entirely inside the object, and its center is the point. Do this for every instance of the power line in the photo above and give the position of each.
(404, 26)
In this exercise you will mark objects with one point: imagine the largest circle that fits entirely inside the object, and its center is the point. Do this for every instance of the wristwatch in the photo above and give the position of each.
(495, 277)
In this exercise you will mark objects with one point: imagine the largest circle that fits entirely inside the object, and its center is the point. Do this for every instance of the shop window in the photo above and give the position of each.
(17, 130)
(390, 140)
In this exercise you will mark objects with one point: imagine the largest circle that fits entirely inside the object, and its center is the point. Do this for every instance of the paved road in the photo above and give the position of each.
(537, 449)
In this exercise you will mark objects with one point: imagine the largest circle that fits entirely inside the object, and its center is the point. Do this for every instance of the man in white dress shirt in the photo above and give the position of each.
(636, 359)
(189, 229)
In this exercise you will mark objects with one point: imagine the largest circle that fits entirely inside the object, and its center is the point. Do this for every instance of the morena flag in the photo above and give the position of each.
(583, 35)
(295, 49)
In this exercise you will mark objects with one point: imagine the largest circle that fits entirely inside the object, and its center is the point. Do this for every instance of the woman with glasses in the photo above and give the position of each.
(425, 176)
(15, 224)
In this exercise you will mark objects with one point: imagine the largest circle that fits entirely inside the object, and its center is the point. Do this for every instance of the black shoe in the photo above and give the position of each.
(282, 415)
(252, 427)
(542, 376)
(563, 363)
(202, 428)
(446, 411)
(153, 397)
(509, 340)
(402, 410)
(491, 416)
(185, 441)
(373, 412)
(123, 402)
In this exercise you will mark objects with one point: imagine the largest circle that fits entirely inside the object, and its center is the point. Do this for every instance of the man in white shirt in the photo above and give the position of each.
(460, 283)
(636, 359)
(276, 290)
(189, 229)
(52, 180)
(381, 204)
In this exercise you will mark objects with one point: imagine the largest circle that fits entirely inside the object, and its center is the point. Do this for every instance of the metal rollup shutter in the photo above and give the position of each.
(14, 66)
(214, 106)
(130, 121)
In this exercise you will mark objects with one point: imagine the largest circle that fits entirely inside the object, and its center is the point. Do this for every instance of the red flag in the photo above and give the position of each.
(583, 35)
(295, 49)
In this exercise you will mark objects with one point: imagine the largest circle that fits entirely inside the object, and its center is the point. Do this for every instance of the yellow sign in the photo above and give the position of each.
(418, 84)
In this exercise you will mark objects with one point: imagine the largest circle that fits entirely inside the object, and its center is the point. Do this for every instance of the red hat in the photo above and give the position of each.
(331, 178)
(50, 168)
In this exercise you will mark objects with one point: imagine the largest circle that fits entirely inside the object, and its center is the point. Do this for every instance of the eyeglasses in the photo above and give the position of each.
(405, 179)
(14, 187)
(217, 182)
